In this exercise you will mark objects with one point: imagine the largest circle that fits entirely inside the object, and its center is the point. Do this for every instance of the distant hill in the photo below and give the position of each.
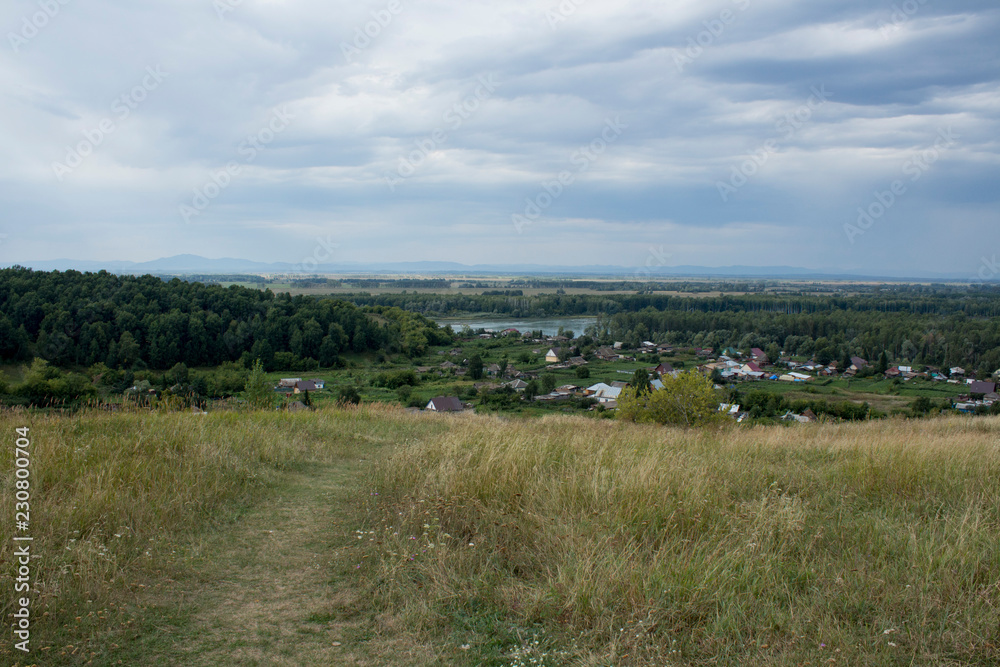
(195, 264)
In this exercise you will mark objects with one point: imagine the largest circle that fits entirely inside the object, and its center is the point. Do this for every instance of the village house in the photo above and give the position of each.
(982, 388)
(663, 369)
(445, 404)
(304, 385)
(606, 354)
(606, 394)
(552, 356)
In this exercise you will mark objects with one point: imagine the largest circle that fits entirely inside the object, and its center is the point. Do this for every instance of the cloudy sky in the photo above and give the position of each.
(857, 135)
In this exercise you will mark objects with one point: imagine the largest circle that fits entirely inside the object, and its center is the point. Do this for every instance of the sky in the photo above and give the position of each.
(831, 134)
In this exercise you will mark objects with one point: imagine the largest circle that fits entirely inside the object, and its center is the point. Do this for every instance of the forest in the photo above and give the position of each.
(934, 325)
(71, 318)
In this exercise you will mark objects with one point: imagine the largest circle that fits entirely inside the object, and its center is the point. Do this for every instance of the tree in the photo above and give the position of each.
(475, 367)
(257, 391)
(773, 352)
(883, 363)
(685, 400)
(348, 394)
(921, 406)
(128, 350)
(548, 383)
(328, 351)
(179, 374)
(531, 390)
(640, 382)
(582, 372)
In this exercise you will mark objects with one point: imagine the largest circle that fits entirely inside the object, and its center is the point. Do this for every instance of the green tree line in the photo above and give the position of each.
(73, 318)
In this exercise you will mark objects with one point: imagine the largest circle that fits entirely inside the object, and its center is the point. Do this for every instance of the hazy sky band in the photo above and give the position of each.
(749, 132)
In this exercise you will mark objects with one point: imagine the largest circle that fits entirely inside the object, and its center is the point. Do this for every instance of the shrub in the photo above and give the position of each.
(686, 400)
(348, 394)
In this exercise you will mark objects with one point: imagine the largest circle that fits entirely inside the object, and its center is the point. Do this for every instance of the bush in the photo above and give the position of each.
(396, 379)
(501, 399)
(686, 400)
(258, 392)
(348, 394)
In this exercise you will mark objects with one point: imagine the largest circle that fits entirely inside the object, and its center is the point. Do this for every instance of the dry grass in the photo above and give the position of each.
(120, 503)
(493, 541)
(861, 544)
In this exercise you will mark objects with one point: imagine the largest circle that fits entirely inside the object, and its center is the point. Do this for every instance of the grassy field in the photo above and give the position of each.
(372, 536)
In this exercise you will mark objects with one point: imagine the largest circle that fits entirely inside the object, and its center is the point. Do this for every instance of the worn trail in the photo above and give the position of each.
(276, 588)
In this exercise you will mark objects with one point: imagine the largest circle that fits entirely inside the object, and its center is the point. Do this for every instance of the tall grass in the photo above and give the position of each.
(875, 543)
(114, 496)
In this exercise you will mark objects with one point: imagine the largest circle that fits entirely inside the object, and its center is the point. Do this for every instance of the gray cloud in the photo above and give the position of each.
(701, 86)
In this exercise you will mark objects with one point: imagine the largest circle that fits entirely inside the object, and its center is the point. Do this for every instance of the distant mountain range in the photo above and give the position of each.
(193, 264)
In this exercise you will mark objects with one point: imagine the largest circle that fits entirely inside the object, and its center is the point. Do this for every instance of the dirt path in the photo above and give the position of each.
(276, 587)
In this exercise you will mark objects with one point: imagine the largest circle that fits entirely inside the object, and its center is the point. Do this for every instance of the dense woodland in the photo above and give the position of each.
(938, 325)
(71, 318)
(124, 322)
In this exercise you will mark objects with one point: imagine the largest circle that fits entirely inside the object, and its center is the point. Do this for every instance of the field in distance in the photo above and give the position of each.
(531, 286)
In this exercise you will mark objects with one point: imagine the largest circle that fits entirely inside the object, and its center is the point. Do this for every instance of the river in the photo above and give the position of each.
(549, 326)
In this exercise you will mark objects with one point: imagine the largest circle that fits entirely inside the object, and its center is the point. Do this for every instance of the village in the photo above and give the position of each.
(553, 372)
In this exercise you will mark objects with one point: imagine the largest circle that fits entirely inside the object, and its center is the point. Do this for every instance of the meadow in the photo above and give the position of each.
(493, 540)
